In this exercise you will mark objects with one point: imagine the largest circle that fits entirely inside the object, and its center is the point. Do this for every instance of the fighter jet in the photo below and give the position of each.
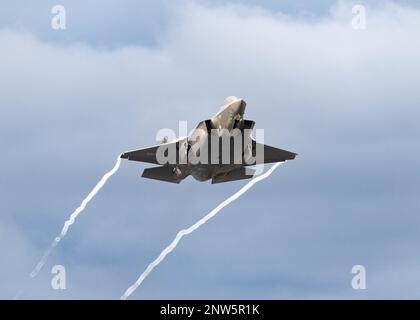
(220, 148)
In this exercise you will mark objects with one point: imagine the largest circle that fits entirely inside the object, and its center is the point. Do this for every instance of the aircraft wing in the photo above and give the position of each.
(272, 154)
(149, 154)
(143, 155)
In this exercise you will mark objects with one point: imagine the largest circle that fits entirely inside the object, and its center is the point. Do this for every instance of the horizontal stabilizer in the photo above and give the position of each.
(271, 154)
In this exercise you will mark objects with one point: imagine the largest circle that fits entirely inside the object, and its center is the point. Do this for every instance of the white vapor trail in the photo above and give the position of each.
(195, 226)
(73, 217)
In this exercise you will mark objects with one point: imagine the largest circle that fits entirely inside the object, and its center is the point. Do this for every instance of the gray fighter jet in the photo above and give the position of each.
(220, 149)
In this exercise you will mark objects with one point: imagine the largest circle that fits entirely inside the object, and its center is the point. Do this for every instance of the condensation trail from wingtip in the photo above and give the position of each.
(195, 226)
(74, 216)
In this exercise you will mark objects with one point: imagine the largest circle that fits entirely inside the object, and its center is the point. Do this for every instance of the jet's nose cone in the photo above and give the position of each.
(239, 106)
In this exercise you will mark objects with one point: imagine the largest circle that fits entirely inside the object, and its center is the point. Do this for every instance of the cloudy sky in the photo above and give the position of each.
(346, 100)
